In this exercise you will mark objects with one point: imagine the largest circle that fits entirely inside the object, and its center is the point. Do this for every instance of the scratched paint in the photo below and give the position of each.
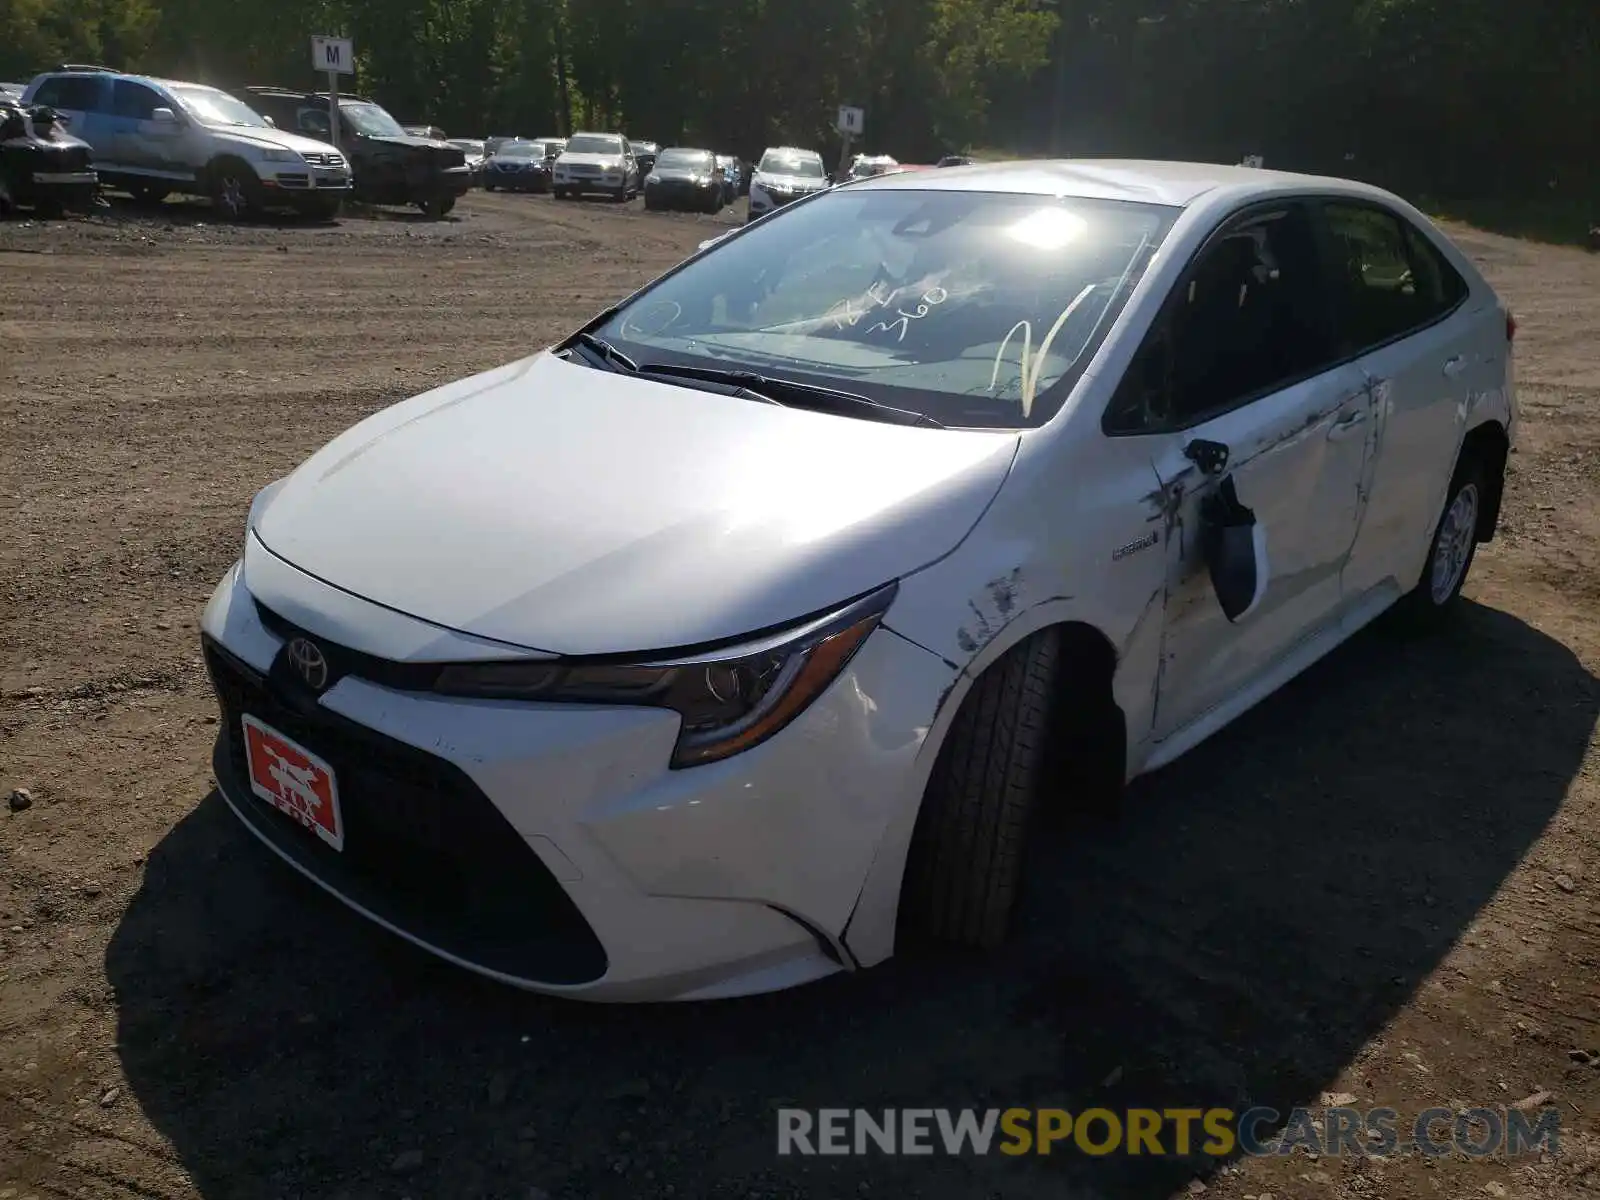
(1001, 598)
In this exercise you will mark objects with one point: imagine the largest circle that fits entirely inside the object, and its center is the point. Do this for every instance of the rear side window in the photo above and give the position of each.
(1389, 278)
(79, 93)
(133, 100)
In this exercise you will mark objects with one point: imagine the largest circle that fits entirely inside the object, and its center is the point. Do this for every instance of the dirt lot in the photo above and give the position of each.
(1383, 883)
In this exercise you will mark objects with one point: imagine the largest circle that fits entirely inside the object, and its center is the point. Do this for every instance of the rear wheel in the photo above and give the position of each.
(436, 207)
(1454, 545)
(235, 190)
(965, 864)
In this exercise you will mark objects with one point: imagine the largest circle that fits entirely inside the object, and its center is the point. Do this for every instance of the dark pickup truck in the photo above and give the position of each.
(388, 165)
(42, 166)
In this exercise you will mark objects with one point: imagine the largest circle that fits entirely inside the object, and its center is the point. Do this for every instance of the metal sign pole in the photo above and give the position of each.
(333, 108)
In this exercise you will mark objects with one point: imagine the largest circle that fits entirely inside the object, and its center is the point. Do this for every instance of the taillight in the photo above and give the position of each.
(1511, 326)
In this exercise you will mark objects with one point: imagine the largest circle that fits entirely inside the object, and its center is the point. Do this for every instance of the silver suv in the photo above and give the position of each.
(152, 137)
(596, 162)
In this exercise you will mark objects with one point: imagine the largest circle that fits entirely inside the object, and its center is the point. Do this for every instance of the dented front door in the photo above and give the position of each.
(1295, 458)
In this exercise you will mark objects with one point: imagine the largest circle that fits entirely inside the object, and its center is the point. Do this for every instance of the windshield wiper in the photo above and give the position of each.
(785, 392)
(607, 351)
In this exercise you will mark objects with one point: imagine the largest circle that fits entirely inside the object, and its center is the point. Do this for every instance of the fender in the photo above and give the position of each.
(869, 934)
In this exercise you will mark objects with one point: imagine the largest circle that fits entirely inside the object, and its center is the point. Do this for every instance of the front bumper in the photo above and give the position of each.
(609, 185)
(550, 846)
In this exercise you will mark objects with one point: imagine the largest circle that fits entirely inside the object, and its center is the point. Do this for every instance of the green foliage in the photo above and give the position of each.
(1469, 100)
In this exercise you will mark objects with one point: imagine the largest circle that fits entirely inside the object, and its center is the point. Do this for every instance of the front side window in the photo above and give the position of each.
(976, 309)
(1249, 317)
(133, 100)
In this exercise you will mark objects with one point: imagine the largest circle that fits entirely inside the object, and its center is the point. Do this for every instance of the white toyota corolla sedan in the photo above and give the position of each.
(743, 631)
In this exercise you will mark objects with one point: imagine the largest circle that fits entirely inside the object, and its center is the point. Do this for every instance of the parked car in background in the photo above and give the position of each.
(644, 156)
(42, 166)
(483, 675)
(12, 91)
(865, 166)
(476, 155)
(491, 144)
(785, 173)
(389, 165)
(518, 167)
(152, 137)
(685, 178)
(725, 172)
(955, 160)
(596, 162)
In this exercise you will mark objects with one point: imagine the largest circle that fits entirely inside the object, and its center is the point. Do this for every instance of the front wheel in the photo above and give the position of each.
(436, 207)
(235, 190)
(1454, 545)
(965, 865)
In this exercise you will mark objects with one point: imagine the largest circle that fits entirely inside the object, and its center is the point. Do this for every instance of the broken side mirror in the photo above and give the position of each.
(1235, 547)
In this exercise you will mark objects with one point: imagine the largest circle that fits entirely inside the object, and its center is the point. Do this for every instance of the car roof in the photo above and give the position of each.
(1177, 184)
(790, 150)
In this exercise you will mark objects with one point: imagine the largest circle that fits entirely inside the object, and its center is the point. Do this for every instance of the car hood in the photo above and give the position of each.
(590, 160)
(264, 139)
(411, 139)
(683, 174)
(798, 183)
(562, 508)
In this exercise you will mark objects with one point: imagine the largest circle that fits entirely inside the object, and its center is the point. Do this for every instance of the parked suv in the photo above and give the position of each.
(597, 162)
(152, 137)
(785, 173)
(390, 165)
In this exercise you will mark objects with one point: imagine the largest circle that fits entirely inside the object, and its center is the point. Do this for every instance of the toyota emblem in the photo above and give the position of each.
(308, 661)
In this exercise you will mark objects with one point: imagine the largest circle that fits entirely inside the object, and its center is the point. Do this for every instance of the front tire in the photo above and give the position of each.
(436, 207)
(235, 190)
(1454, 545)
(965, 865)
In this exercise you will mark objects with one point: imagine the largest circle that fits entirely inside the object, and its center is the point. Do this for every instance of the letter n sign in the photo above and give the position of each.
(336, 55)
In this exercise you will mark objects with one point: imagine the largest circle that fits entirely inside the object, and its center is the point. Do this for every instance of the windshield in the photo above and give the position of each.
(976, 309)
(685, 160)
(791, 164)
(520, 150)
(211, 107)
(368, 118)
(593, 143)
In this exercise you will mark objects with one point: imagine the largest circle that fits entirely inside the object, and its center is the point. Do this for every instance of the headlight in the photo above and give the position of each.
(729, 702)
(274, 155)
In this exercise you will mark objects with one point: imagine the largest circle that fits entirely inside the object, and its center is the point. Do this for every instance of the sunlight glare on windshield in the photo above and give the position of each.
(1048, 229)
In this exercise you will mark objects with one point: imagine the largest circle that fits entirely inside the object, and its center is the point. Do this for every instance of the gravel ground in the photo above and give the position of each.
(1381, 884)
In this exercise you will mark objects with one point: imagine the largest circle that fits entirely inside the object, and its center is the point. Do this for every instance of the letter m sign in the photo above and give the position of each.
(333, 54)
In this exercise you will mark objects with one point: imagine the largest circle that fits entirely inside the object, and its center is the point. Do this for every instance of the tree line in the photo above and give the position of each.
(1469, 101)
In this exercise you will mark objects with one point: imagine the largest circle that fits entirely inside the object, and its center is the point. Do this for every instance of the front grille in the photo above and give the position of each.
(67, 158)
(324, 160)
(424, 848)
(293, 181)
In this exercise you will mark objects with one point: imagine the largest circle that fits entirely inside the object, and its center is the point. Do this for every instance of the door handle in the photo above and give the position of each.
(1453, 366)
(1347, 425)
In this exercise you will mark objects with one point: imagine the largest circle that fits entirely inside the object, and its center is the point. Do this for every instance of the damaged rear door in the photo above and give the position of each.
(1258, 435)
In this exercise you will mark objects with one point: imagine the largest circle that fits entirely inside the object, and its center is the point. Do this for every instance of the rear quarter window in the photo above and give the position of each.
(76, 92)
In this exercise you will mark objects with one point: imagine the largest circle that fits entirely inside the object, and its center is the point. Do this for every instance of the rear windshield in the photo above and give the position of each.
(520, 150)
(978, 309)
